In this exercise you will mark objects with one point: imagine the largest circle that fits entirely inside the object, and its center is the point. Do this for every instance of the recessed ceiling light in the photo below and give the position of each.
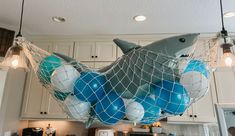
(58, 19)
(229, 14)
(139, 18)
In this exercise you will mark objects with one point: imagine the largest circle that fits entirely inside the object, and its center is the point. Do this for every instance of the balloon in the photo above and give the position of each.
(63, 78)
(134, 111)
(197, 65)
(76, 108)
(110, 109)
(89, 86)
(60, 95)
(195, 83)
(171, 97)
(152, 111)
(46, 68)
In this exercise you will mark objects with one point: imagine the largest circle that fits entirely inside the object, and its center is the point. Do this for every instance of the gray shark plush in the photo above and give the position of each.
(140, 67)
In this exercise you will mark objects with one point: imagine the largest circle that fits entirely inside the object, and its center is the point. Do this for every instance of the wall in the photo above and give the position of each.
(11, 102)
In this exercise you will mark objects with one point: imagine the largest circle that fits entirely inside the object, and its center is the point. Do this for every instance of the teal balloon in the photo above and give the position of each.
(197, 65)
(110, 109)
(171, 97)
(47, 67)
(151, 111)
(61, 95)
(90, 86)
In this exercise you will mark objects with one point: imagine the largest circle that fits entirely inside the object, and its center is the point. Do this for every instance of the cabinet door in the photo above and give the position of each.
(33, 97)
(186, 117)
(105, 51)
(52, 108)
(84, 51)
(34, 92)
(225, 85)
(203, 109)
(65, 48)
(43, 45)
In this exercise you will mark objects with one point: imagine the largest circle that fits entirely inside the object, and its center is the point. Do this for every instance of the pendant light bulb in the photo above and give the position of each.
(228, 59)
(15, 57)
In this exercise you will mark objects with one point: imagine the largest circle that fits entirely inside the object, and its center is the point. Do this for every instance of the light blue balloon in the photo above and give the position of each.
(151, 111)
(90, 86)
(172, 97)
(110, 109)
(197, 65)
(47, 67)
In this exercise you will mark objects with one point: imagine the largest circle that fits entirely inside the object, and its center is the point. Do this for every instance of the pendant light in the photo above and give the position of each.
(15, 57)
(227, 59)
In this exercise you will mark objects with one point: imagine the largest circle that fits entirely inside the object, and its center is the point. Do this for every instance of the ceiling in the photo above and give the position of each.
(116, 16)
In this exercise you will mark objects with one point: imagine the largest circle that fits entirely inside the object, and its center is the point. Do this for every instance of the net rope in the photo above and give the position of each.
(140, 79)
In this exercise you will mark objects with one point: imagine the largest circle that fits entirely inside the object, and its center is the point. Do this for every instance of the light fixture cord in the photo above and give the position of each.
(21, 19)
(224, 32)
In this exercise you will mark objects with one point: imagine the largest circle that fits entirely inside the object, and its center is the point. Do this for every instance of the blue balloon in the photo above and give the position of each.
(197, 65)
(90, 86)
(172, 97)
(47, 67)
(151, 111)
(110, 109)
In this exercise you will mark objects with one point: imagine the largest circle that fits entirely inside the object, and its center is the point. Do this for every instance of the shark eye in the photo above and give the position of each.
(182, 40)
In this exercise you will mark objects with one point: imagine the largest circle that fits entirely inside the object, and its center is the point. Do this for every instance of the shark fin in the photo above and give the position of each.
(76, 64)
(125, 46)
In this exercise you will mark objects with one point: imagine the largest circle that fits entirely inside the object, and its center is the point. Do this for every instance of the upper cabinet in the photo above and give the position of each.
(84, 51)
(95, 51)
(37, 102)
(225, 85)
(63, 47)
(105, 51)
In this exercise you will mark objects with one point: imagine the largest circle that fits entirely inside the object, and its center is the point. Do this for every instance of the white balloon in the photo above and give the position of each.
(134, 111)
(63, 78)
(76, 108)
(127, 101)
(195, 83)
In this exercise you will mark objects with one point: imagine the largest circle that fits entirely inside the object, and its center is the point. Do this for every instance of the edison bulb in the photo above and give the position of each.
(228, 59)
(15, 61)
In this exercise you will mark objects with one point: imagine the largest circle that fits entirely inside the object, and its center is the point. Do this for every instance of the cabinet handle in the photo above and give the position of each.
(195, 116)
(96, 56)
(190, 116)
(92, 56)
(41, 112)
(45, 112)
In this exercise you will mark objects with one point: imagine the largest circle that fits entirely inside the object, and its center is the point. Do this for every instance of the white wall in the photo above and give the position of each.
(11, 102)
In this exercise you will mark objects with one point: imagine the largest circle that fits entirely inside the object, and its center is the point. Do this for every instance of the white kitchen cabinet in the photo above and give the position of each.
(95, 51)
(62, 47)
(105, 51)
(186, 117)
(84, 51)
(38, 103)
(201, 111)
(225, 84)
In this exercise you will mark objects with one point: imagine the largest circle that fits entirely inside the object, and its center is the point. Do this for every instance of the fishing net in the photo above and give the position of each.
(142, 86)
